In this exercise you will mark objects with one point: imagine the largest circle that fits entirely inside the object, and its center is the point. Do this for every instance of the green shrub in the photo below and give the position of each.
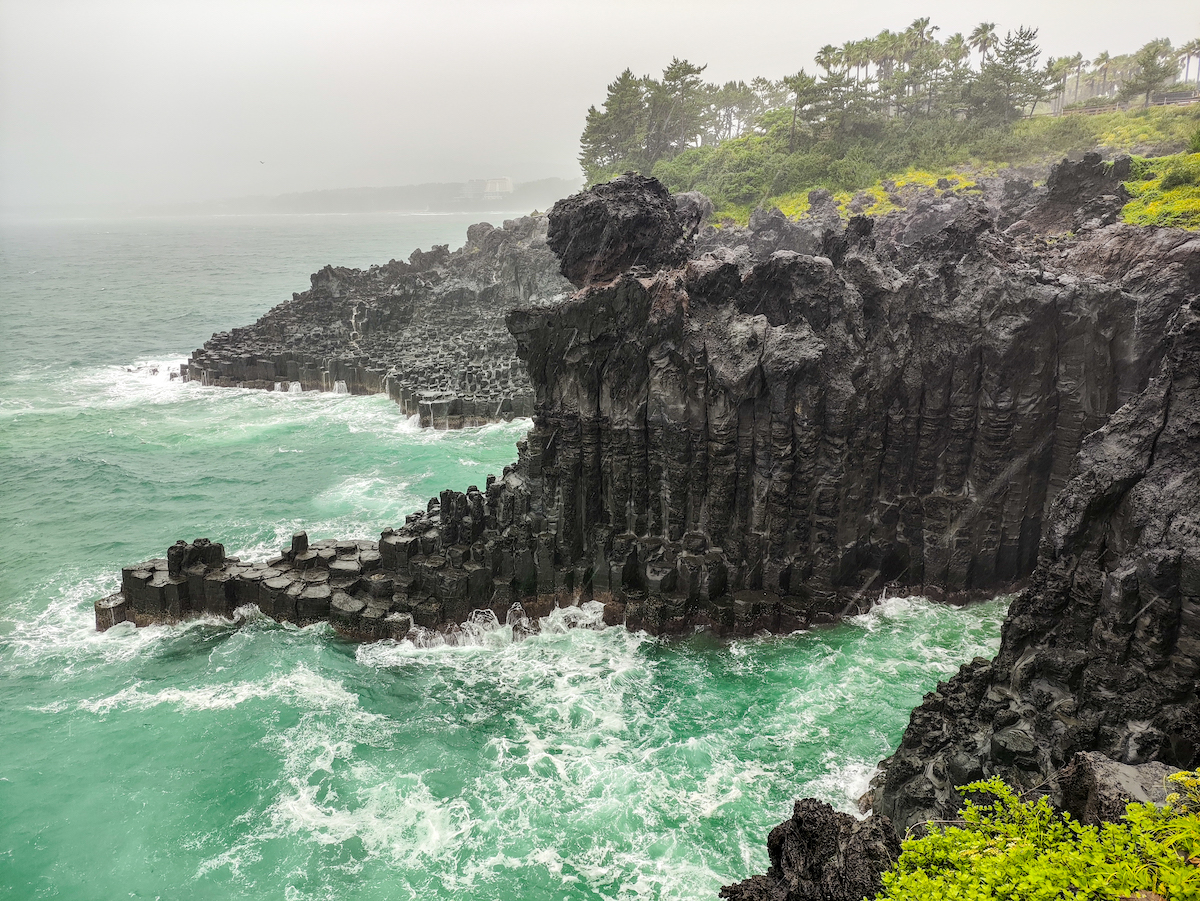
(1024, 851)
(1194, 143)
(1185, 171)
(1165, 191)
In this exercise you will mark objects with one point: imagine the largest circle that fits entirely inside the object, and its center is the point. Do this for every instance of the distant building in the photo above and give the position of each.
(487, 189)
(498, 188)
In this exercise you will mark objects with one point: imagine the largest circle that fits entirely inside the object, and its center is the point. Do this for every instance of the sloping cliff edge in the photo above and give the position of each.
(760, 429)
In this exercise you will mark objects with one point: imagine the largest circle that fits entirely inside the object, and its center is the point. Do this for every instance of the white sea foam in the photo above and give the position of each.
(300, 687)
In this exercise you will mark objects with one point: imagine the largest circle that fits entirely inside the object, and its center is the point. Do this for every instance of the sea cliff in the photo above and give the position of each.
(764, 428)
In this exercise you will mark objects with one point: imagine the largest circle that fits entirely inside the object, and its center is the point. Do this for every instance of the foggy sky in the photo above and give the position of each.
(127, 102)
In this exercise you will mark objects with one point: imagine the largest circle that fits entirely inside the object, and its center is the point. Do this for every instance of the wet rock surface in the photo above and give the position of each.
(742, 442)
(765, 434)
(1102, 651)
(1094, 789)
(428, 332)
(629, 222)
(820, 854)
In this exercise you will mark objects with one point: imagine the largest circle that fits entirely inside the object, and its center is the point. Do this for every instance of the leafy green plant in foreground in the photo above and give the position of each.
(1026, 851)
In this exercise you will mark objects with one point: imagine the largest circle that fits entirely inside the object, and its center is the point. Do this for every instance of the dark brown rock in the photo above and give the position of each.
(630, 221)
(822, 855)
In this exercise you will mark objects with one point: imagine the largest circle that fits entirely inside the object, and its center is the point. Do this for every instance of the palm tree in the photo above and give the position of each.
(887, 52)
(983, 39)
(1187, 51)
(1076, 63)
(1057, 70)
(869, 50)
(828, 57)
(1102, 62)
(922, 31)
(852, 56)
(956, 48)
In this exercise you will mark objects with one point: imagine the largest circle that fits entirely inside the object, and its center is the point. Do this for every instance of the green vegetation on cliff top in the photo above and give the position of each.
(900, 106)
(734, 173)
(1024, 851)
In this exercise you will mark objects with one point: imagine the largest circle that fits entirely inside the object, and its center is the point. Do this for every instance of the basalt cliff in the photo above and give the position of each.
(428, 332)
(762, 428)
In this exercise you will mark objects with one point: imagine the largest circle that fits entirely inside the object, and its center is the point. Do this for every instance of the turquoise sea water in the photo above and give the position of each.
(215, 761)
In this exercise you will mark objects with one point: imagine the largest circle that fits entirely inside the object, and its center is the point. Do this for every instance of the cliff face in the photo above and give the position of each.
(762, 439)
(1102, 651)
(763, 433)
(429, 332)
(764, 446)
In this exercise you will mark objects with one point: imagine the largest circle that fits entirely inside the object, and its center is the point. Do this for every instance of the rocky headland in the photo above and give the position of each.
(428, 332)
(762, 428)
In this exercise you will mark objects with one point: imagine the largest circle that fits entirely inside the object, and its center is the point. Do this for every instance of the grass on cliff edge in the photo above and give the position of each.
(1166, 191)
(1024, 851)
(735, 172)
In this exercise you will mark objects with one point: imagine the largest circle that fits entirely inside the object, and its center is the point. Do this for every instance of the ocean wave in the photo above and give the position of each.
(300, 687)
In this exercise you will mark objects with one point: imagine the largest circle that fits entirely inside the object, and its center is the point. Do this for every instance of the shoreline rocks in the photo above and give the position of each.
(429, 332)
(1102, 651)
(741, 443)
(770, 430)
(820, 854)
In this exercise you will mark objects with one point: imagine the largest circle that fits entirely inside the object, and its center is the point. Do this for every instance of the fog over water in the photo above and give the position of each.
(125, 103)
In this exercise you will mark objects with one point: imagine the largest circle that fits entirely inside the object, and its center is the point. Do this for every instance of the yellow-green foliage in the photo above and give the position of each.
(1166, 191)
(796, 203)
(1024, 851)
(747, 172)
(1185, 796)
(1047, 137)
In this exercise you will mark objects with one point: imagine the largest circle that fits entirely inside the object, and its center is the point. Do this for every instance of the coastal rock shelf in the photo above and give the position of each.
(743, 443)
(403, 586)
(761, 428)
(429, 333)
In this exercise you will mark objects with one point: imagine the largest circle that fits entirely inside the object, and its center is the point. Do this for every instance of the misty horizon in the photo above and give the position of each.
(129, 104)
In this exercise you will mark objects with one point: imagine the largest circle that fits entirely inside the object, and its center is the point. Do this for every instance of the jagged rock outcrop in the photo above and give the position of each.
(629, 222)
(795, 437)
(1094, 789)
(746, 444)
(760, 438)
(1102, 651)
(820, 854)
(429, 332)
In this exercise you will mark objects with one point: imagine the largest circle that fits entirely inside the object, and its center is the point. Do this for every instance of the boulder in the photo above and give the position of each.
(820, 854)
(604, 231)
(1095, 789)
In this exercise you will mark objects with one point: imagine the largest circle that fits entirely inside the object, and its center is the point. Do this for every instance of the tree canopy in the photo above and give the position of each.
(903, 87)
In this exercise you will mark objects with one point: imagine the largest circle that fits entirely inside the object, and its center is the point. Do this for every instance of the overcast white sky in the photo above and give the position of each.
(133, 102)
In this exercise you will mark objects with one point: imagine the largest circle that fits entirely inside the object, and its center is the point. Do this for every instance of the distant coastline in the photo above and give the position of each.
(434, 197)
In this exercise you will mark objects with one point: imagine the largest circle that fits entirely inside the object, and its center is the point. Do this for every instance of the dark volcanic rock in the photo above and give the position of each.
(1094, 789)
(428, 332)
(743, 445)
(765, 435)
(630, 221)
(1083, 193)
(1102, 651)
(822, 426)
(822, 855)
